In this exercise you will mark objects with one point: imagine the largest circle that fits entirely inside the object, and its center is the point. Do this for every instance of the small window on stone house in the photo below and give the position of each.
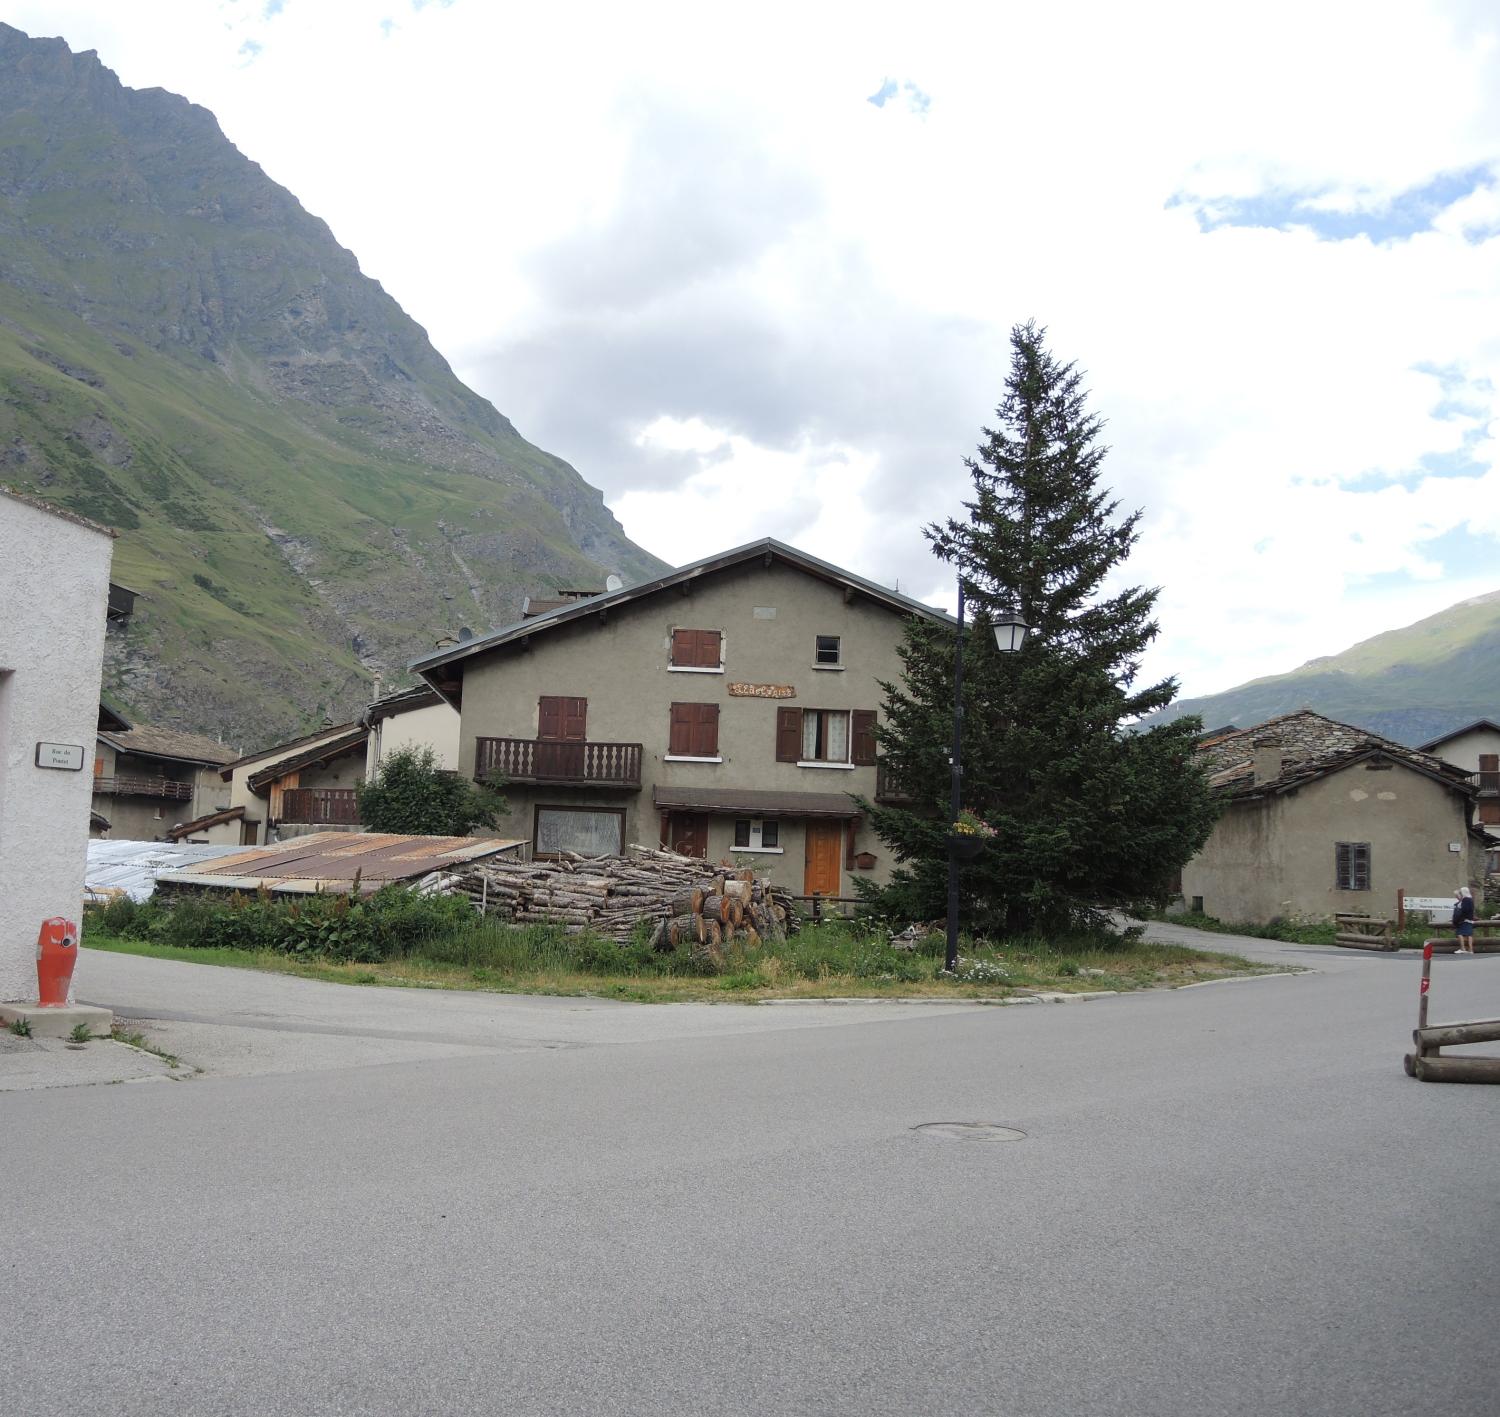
(827, 651)
(1351, 865)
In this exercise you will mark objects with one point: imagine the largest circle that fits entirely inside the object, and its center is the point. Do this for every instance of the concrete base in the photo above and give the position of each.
(58, 1022)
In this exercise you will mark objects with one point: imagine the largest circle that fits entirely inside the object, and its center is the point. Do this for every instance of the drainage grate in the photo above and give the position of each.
(968, 1131)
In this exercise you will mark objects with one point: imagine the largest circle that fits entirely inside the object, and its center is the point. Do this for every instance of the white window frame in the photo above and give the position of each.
(757, 830)
(837, 666)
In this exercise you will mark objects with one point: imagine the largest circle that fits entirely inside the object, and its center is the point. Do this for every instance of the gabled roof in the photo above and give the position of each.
(1477, 726)
(286, 747)
(62, 513)
(148, 741)
(309, 757)
(111, 719)
(423, 696)
(767, 550)
(1311, 746)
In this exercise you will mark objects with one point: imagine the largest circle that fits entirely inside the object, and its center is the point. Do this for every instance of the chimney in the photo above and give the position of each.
(1267, 765)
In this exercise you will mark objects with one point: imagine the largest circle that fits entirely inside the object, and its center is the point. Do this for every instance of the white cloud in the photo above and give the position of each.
(677, 245)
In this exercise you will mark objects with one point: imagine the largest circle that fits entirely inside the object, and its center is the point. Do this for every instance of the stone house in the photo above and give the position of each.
(726, 709)
(150, 780)
(1321, 817)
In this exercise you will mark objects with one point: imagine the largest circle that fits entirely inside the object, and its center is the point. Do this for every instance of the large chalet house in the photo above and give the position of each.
(726, 709)
(1321, 817)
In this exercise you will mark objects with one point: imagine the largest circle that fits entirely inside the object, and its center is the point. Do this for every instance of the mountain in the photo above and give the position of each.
(305, 493)
(1410, 684)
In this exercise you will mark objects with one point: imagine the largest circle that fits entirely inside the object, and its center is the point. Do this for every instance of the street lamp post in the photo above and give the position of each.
(1010, 635)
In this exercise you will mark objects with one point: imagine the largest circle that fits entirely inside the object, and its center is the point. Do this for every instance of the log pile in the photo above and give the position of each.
(685, 900)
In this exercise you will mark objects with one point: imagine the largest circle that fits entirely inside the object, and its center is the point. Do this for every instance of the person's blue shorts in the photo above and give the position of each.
(1466, 929)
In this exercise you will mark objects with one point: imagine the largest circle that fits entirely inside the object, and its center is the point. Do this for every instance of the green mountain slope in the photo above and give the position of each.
(1409, 684)
(305, 492)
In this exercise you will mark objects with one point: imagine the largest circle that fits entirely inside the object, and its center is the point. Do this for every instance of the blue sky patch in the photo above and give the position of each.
(887, 91)
(1404, 216)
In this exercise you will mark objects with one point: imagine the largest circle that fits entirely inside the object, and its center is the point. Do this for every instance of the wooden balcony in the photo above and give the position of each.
(887, 789)
(320, 806)
(555, 762)
(143, 787)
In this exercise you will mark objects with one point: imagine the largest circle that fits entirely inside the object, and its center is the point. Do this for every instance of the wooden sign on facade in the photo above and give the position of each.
(761, 691)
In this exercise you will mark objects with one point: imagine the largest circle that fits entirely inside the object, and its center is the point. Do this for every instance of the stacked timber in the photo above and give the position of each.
(685, 900)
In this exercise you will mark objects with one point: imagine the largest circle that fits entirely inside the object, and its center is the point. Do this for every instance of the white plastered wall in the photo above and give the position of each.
(54, 589)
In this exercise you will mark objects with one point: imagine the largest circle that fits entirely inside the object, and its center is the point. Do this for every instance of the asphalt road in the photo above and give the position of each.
(1228, 1199)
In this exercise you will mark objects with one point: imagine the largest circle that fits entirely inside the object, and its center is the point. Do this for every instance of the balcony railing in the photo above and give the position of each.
(143, 787)
(328, 806)
(1486, 781)
(887, 788)
(567, 764)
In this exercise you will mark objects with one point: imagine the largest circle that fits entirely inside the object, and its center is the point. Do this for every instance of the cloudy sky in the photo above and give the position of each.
(752, 269)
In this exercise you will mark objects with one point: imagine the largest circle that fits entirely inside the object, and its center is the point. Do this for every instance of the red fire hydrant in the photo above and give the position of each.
(56, 954)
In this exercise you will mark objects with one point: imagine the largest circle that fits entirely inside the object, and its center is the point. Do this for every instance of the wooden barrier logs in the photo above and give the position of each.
(1439, 1069)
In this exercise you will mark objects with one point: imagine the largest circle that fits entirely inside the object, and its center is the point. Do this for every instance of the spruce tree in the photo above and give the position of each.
(1089, 813)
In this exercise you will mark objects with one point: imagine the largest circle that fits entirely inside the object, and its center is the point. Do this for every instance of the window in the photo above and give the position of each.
(756, 834)
(562, 719)
(826, 652)
(825, 736)
(694, 731)
(832, 736)
(1352, 865)
(1489, 812)
(697, 649)
(585, 830)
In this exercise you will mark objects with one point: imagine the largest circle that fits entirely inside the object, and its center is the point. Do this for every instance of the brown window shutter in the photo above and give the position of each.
(680, 734)
(788, 735)
(684, 646)
(862, 730)
(1489, 812)
(706, 734)
(549, 717)
(708, 649)
(1489, 762)
(575, 719)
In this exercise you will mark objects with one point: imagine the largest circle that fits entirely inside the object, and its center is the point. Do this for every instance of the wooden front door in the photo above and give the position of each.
(820, 872)
(687, 833)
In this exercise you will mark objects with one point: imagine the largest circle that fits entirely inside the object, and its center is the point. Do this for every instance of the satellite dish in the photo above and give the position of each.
(465, 634)
(612, 584)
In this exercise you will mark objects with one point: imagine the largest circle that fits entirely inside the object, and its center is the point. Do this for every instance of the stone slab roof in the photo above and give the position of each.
(1311, 746)
(148, 741)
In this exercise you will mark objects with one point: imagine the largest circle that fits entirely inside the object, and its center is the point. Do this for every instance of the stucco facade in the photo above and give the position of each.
(54, 589)
(1276, 855)
(767, 617)
(423, 725)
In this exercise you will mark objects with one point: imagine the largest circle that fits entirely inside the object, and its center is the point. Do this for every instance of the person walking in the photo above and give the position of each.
(1463, 919)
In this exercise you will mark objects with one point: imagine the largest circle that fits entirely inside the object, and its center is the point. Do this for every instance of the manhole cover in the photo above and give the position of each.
(968, 1131)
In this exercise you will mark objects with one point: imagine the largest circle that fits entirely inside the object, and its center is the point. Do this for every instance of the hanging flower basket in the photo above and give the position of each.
(968, 835)
(965, 846)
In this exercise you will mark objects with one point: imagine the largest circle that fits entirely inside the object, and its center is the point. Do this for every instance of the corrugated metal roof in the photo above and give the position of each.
(330, 861)
(133, 866)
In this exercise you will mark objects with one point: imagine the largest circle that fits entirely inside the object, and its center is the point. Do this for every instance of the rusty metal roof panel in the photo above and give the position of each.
(330, 861)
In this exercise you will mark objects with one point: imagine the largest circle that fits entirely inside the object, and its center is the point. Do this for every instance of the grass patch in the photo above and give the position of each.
(835, 959)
